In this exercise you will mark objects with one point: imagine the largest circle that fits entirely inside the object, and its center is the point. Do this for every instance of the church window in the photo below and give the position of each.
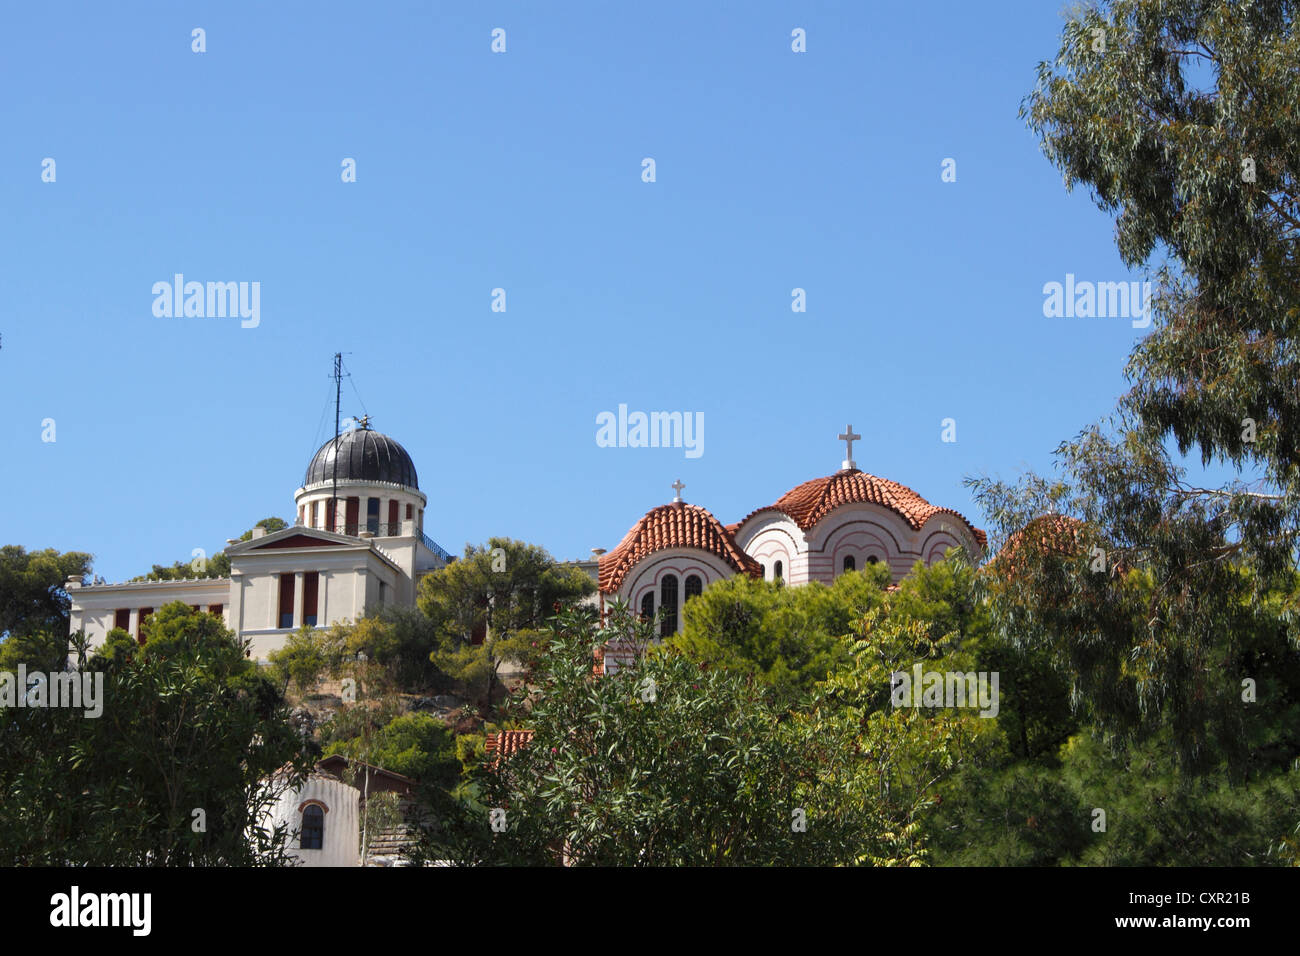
(668, 604)
(286, 600)
(394, 525)
(351, 516)
(873, 560)
(301, 513)
(215, 609)
(648, 605)
(410, 512)
(372, 515)
(315, 513)
(850, 563)
(778, 570)
(694, 587)
(313, 828)
(330, 523)
(122, 618)
(310, 594)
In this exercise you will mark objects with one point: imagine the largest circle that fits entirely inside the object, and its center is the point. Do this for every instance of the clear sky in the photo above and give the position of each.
(522, 170)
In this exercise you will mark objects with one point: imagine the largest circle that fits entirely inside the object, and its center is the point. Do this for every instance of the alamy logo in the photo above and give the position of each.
(945, 689)
(212, 300)
(1101, 300)
(102, 909)
(653, 430)
(79, 690)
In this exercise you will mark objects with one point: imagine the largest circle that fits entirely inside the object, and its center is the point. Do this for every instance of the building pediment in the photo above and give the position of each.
(296, 537)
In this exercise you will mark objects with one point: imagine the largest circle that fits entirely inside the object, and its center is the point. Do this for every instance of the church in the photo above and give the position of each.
(814, 532)
(358, 545)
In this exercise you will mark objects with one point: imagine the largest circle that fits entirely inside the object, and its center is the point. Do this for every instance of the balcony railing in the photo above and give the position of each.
(436, 548)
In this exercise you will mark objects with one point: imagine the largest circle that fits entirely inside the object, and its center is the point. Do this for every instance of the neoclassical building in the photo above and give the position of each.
(814, 532)
(358, 545)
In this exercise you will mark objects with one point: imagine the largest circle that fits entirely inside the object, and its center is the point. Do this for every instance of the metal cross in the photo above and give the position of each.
(677, 487)
(849, 438)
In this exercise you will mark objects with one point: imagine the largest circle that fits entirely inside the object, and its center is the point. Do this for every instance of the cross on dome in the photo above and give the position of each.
(849, 438)
(677, 487)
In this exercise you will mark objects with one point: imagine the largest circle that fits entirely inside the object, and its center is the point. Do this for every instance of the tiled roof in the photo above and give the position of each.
(812, 501)
(1050, 533)
(507, 742)
(676, 525)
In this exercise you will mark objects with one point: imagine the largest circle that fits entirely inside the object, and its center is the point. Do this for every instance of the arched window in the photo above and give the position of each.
(778, 570)
(668, 605)
(313, 828)
(850, 564)
(648, 605)
(873, 560)
(694, 587)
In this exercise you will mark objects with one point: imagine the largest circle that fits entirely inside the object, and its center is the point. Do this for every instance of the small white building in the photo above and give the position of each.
(358, 545)
(324, 817)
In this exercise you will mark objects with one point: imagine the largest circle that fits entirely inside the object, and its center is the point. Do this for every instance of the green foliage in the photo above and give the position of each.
(787, 637)
(39, 650)
(669, 761)
(188, 724)
(886, 763)
(1154, 813)
(401, 641)
(270, 525)
(506, 590)
(32, 598)
(300, 662)
(1160, 601)
(418, 746)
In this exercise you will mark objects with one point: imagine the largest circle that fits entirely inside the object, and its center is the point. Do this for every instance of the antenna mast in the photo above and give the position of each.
(338, 393)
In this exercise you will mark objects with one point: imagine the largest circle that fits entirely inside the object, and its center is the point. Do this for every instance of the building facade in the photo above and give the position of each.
(357, 546)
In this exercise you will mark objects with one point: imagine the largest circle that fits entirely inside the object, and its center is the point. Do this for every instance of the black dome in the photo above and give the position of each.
(364, 455)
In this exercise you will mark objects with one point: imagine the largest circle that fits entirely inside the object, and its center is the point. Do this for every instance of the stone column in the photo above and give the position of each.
(322, 589)
(358, 593)
(297, 597)
(134, 624)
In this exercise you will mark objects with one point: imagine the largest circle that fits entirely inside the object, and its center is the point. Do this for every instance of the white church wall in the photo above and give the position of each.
(772, 537)
(862, 531)
(647, 576)
(341, 845)
(939, 534)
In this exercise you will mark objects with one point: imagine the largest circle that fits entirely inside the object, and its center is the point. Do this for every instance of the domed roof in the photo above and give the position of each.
(676, 525)
(808, 503)
(363, 455)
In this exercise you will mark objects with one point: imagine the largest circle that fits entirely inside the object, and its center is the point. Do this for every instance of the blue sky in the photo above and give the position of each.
(522, 170)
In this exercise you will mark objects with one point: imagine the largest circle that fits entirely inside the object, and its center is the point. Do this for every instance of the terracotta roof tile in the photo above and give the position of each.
(1057, 534)
(507, 742)
(808, 503)
(676, 525)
